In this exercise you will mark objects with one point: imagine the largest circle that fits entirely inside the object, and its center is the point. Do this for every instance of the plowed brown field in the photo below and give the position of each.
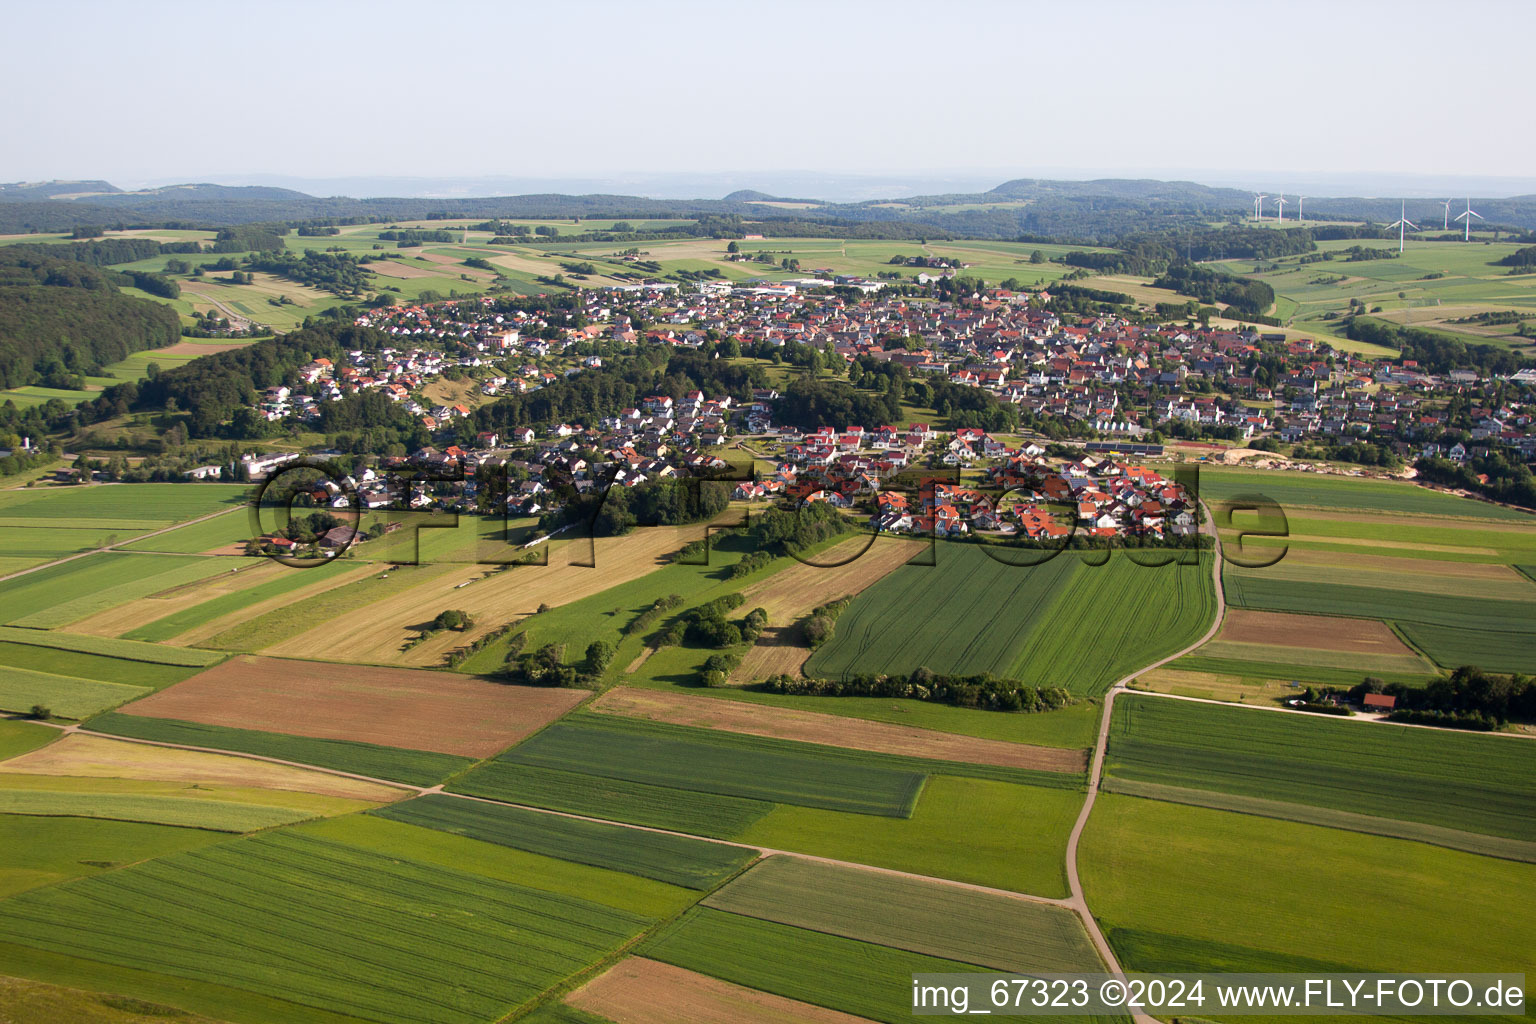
(438, 711)
(641, 991)
(831, 730)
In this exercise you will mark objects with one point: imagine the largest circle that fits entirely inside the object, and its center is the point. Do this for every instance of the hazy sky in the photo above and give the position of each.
(134, 92)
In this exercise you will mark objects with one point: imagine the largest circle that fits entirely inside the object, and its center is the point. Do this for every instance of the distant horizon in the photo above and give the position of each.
(832, 187)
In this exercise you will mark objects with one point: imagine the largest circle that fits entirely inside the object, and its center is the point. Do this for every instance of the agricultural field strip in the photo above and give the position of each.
(381, 937)
(881, 631)
(153, 809)
(125, 578)
(1330, 817)
(129, 650)
(598, 797)
(399, 708)
(872, 906)
(65, 696)
(686, 763)
(789, 723)
(637, 990)
(1468, 782)
(794, 962)
(1311, 490)
(411, 768)
(664, 856)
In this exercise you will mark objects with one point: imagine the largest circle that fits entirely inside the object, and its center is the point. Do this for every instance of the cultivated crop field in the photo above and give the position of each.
(794, 962)
(1187, 888)
(37, 852)
(692, 760)
(1000, 932)
(415, 767)
(65, 696)
(998, 850)
(1063, 623)
(1471, 782)
(830, 730)
(676, 860)
(1294, 489)
(387, 707)
(316, 923)
(82, 756)
(213, 807)
(119, 650)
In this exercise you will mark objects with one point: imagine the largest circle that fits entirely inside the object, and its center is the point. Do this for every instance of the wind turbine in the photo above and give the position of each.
(1468, 218)
(1258, 206)
(1300, 209)
(1447, 225)
(1403, 224)
(1279, 208)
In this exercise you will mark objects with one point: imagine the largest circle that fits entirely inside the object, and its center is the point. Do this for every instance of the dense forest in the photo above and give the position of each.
(60, 320)
(1435, 353)
(1212, 286)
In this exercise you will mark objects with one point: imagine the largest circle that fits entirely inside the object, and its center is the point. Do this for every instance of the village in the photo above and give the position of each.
(1119, 387)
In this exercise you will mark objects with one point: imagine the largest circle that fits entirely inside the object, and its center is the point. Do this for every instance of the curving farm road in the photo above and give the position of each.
(1096, 769)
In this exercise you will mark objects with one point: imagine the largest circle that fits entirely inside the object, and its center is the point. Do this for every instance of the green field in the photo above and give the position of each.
(642, 896)
(693, 760)
(110, 647)
(1072, 727)
(702, 814)
(826, 970)
(61, 594)
(676, 860)
(1312, 490)
(1014, 837)
(1187, 888)
(91, 666)
(42, 851)
(292, 619)
(993, 931)
(1401, 286)
(162, 504)
(176, 623)
(1064, 623)
(319, 923)
(414, 767)
(64, 696)
(1497, 635)
(1473, 783)
(232, 527)
(17, 738)
(214, 815)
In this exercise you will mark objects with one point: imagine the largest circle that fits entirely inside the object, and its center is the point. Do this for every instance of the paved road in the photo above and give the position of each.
(1096, 769)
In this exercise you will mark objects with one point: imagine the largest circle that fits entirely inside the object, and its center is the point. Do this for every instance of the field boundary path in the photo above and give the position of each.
(131, 540)
(1077, 901)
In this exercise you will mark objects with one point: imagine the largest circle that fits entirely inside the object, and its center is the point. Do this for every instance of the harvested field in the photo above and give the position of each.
(430, 711)
(84, 756)
(200, 633)
(378, 632)
(641, 991)
(796, 590)
(789, 595)
(831, 730)
(123, 618)
(1317, 632)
